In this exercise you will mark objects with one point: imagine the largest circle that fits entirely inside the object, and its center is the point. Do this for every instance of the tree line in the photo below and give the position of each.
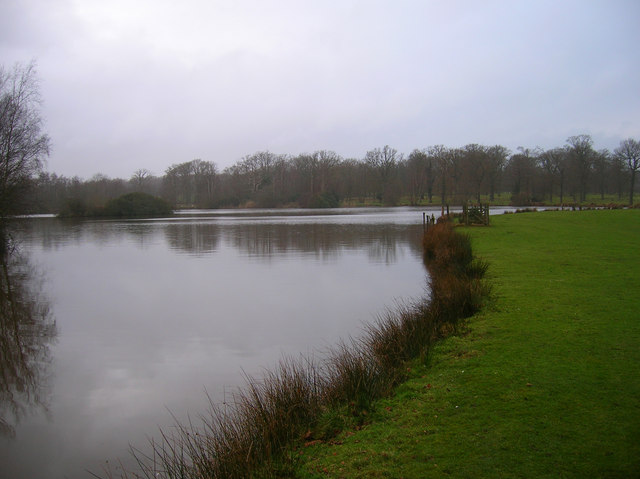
(433, 175)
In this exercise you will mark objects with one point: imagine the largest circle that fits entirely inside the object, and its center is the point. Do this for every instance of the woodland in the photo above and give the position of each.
(575, 173)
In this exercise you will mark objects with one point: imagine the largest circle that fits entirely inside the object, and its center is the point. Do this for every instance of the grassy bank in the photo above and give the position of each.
(545, 381)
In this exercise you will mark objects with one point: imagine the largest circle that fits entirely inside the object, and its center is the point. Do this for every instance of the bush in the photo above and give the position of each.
(325, 200)
(137, 205)
(74, 207)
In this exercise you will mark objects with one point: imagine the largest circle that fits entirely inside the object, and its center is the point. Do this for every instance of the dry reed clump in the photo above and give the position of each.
(445, 249)
(256, 435)
(401, 334)
(457, 289)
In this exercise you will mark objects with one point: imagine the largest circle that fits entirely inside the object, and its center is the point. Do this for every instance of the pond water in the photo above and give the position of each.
(125, 324)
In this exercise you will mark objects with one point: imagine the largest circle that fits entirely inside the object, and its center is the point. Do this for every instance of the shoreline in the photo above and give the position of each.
(305, 400)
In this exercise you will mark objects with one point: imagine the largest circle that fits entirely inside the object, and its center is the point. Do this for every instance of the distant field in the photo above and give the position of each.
(545, 383)
(500, 199)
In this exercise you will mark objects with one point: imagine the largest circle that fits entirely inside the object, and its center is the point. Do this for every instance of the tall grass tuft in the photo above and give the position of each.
(457, 289)
(401, 334)
(355, 376)
(255, 435)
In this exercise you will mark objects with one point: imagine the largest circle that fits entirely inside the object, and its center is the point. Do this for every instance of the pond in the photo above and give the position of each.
(128, 324)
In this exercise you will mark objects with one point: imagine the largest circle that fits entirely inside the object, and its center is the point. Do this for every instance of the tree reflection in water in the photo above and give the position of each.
(27, 329)
(266, 240)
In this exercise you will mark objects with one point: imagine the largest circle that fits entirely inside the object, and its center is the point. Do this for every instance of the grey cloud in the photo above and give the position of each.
(142, 84)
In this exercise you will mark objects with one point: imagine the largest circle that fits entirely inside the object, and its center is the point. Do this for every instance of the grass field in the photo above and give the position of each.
(544, 383)
(501, 199)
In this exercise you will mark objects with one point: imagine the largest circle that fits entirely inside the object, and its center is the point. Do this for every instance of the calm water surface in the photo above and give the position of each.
(129, 322)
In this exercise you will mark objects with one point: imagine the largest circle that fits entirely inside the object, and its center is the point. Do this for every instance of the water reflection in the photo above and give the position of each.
(322, 241)
(53, 233)
(27, 328)
(193, 238)
(261, 236)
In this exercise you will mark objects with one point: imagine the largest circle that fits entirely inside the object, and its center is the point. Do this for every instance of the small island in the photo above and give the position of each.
(130, 205)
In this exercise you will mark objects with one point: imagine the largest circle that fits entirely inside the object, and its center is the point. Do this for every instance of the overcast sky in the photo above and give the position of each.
(130, 84)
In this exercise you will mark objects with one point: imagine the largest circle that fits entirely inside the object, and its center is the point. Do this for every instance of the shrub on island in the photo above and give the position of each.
(130, 205)
(136, 205)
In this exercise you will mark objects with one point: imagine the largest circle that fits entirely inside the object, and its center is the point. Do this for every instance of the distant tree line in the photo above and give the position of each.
(434, 175)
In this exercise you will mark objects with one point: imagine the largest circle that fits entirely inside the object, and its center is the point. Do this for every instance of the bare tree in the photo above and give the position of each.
(327, 163)
(618, 176)
(601, 168)
(316, 173)
(441, 158)
(205, 173)
(256, 169)
(455, 159)
(629, 152)
(351, 175)
(581, 156)
(415, 166)
(382, 164)
(476, 162)
(522, 171)
(22, 143)
(191, 183)
(554, 164)
(496, 159)
(139, 178)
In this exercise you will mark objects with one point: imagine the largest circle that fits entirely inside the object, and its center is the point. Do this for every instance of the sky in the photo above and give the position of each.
(133, 84)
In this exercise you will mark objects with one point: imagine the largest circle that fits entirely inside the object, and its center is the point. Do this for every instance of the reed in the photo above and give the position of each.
(257, 433)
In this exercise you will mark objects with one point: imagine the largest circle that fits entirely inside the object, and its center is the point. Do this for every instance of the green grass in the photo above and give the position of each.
(544, 383)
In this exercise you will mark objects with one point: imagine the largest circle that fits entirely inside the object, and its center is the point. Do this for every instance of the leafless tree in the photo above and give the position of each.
(420, 177)
(496, 158)
(191, 183)
(554, 164)
(629, 152)
(522, 171)
(139, 178)
(205, 178)
(382, 164)
(441, 158)
(315, 173)
(581, 156)
(455, 159)
(601, 167)
(476, 162)
(23, 145)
